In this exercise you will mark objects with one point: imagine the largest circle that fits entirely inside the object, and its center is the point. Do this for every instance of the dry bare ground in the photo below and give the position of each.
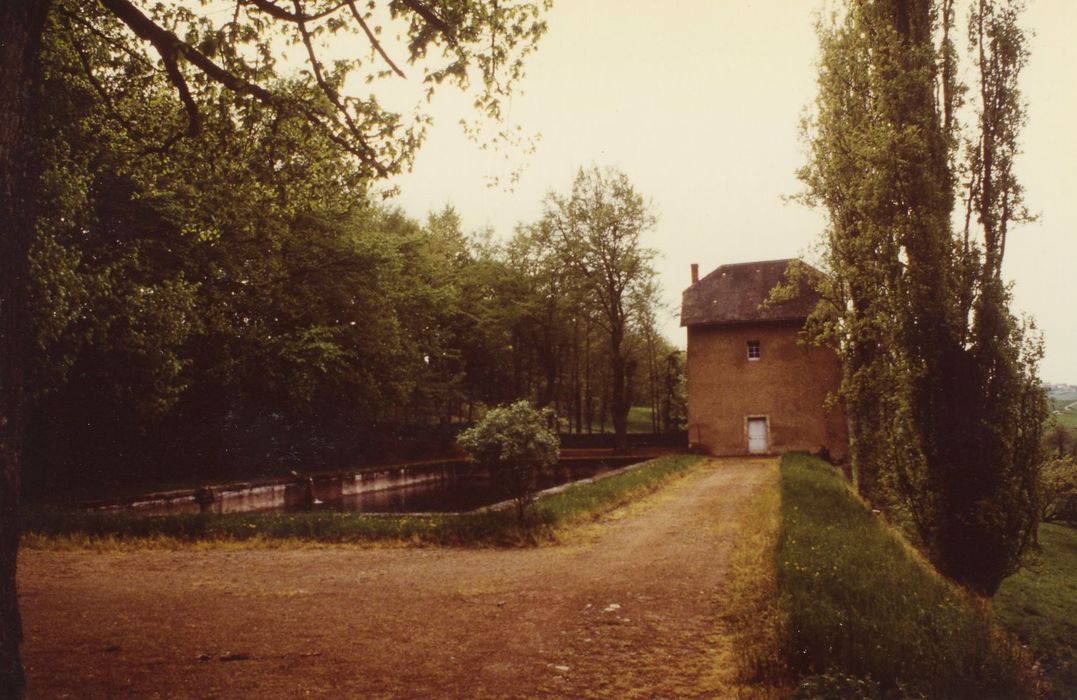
(629, 607)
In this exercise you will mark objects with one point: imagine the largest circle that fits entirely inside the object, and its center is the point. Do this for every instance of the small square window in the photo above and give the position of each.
(753, 350)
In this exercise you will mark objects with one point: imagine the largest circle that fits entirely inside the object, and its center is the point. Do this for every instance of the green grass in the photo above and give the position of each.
(1064, 417)
(1039, 604)
(640, 419)
(497, 528)
(868, 617)
(582, 501)
(53, 527)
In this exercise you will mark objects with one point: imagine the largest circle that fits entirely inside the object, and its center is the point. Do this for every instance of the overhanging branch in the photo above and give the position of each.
(432, 19)
(277, 12)
(171, 48)
(373, 39)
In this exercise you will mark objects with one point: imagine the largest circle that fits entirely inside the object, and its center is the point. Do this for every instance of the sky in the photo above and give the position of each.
(699, 102)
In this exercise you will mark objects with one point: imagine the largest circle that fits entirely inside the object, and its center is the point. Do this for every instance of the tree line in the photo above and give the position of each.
(236, 302)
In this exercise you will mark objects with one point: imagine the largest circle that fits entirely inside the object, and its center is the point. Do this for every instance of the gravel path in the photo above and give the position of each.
(627, 607)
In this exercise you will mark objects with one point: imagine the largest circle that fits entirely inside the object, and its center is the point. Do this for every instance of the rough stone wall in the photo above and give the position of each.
(788, 386)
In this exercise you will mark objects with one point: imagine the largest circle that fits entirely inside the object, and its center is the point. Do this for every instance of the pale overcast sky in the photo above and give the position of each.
(698, 102)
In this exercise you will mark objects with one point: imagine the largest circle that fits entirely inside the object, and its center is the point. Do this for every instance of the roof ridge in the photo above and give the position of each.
(735, 292)
(746, 264)
(758, 262)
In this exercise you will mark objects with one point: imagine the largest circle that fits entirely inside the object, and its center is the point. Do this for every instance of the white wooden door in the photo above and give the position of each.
(757, 436)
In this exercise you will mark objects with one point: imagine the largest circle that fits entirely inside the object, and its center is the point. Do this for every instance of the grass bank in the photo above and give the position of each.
(59, 528)
(867, 616)
(1039, 605)
(753, 623)
(586, 501)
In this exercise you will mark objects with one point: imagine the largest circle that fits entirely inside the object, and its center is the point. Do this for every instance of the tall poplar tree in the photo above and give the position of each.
(939, 380)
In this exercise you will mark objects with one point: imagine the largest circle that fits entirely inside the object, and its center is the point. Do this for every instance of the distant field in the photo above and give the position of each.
(1060, 413)
(1039, 604)
(639, 421)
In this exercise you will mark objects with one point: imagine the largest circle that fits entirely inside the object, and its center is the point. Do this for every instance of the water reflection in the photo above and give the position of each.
(455, 494)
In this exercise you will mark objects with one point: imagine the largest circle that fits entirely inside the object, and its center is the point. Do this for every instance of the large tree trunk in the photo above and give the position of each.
(550, 366)
(619, 390)
(862, 418)
(588, 399)
(577, 387)
(21, 25)
(618, 404)
(652, 379)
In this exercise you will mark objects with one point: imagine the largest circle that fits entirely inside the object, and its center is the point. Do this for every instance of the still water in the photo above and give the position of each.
(455, 494)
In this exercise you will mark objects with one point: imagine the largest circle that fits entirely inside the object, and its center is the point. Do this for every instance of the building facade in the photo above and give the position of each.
(753, 386)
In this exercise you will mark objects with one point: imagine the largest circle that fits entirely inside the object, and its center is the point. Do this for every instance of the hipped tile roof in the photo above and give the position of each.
(734, 293)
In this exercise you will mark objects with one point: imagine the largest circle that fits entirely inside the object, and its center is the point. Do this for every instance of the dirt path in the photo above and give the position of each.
(625, 608)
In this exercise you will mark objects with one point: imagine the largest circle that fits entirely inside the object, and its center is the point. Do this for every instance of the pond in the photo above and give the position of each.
(451, 486)
(456, 493)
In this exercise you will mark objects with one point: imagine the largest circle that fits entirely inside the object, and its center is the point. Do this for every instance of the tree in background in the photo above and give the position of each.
(596, 234)
(1058, 440)
(674, 399)
(945, 408)
(544, 306)
(1058, 487)
(558, 343)
(207, 57)
(515, 443)
(228, 304)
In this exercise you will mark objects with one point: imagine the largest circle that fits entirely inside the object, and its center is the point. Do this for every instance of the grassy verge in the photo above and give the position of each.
(57, 528)
(53, 528)
(754, 622)
(1039, 605)
(585, 501)
(868, 617)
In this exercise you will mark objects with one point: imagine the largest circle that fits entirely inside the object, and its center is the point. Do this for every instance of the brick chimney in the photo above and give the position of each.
(695, 273)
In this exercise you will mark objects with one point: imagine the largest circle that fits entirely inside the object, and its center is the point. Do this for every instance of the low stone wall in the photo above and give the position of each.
(283, 493)
(298, 493)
